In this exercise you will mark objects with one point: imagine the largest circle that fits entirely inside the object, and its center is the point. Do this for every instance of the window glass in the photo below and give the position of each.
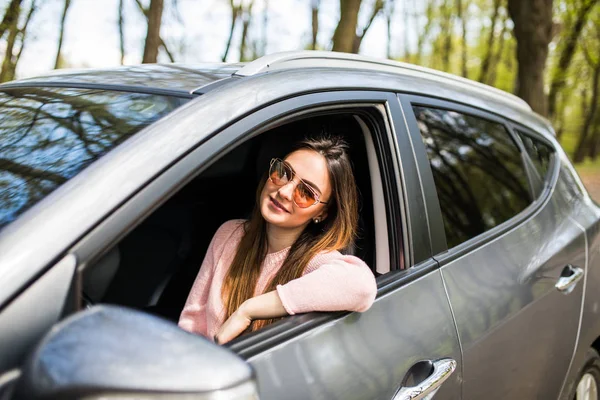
(48, 135)
(478, 172)
(539, 152)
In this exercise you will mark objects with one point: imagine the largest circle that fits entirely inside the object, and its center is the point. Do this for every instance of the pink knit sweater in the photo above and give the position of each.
(331, 282)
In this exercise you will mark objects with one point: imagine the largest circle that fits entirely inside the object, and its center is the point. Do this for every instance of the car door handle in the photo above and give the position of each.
(568, 279)
(440, 371)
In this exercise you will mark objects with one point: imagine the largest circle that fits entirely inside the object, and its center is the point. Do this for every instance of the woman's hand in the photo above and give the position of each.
(265, 306)
(234, 326)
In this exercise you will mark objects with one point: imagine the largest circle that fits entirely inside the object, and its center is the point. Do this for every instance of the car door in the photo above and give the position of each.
(512, 259)
(406, 341)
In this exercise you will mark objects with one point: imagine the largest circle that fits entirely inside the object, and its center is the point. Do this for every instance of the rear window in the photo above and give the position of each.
(478, 172)
(48, 135)
(539, 152)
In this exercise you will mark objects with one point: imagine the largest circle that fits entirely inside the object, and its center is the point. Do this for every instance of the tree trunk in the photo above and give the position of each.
(533, 32)
(12, 11)
(235, 12)
(121, 32)
(580, 152)
(153, 41)
(315, 22)
(62, 33)
(7, 73)
(497, 58)
(447, 31)
(463, 22)
(566, 54)
(595, 140)
(23, 30)
(345, 32)
(489, 51)
(246, 19)
(359, 38)
(425, 31)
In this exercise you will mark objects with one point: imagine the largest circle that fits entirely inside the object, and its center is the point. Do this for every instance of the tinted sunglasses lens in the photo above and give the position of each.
(303, 196)
(279, 173)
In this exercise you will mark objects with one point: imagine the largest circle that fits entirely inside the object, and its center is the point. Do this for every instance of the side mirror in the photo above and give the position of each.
(113, 352)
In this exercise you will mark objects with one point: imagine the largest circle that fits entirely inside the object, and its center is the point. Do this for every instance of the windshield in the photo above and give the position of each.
(48, 135)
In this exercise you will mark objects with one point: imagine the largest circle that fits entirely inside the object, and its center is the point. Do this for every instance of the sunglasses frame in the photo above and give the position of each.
(312, 190)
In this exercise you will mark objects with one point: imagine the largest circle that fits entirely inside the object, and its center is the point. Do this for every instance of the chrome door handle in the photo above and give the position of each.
(569, 278)
(442, 369)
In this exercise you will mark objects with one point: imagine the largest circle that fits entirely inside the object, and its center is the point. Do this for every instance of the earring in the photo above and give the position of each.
(317, 220)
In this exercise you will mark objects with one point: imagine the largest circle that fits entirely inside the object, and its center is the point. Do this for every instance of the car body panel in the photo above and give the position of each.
(366, 355)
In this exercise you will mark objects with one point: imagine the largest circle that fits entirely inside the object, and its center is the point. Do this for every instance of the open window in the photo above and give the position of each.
(154, 266)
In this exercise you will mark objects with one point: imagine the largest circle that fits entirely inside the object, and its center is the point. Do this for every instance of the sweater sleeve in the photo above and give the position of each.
(193, 315)
(342, 283)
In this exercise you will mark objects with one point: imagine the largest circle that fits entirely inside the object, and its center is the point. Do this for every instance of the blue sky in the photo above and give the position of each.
(200, 34)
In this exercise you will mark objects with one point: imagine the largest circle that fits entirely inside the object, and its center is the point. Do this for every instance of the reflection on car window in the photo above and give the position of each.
(49, 135)
(478, 172)
(540, 153)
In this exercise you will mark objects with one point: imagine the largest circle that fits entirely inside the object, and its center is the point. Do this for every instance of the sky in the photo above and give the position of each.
(196, 33)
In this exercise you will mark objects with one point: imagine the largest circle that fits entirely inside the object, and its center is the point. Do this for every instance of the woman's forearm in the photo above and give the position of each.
(265, 306)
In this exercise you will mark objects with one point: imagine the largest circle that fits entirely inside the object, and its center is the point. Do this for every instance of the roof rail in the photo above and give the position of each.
(310, 58)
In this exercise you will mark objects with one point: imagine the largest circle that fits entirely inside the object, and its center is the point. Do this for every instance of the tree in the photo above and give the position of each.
(533, 32)
(345, 32)
(15, 41)
(314, 8)
(487, 59)
(153, 40)
(62, 33)
(567, 50)
(146, 12)
(463, 29)
(236, 9)
(246, 16)
(377, 7)
(121, 32)
(424, 32)
(584, 138)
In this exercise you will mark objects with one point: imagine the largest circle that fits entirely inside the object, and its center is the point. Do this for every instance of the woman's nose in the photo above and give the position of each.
(287, 190)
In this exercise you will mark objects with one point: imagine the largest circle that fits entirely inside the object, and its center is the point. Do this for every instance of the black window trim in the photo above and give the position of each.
(148, 198)
(445, 255)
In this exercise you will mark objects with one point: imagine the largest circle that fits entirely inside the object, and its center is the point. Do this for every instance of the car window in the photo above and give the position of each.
(477, 169)
(539, 152)
(48, 135)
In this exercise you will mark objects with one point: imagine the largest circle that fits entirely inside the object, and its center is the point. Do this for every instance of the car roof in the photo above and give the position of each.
(172, 77)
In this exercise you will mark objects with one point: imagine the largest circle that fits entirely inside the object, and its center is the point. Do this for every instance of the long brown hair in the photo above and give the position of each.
(336, 232)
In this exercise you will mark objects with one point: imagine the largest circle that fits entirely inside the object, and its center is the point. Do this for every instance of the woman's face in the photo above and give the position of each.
(276, 202)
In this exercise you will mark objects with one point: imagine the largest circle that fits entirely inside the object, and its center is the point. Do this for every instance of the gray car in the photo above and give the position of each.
(484, 242)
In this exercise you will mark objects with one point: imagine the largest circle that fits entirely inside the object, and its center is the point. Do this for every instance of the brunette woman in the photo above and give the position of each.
(285, 259)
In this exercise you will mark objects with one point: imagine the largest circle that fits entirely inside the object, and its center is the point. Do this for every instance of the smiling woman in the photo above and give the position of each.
(285, 259)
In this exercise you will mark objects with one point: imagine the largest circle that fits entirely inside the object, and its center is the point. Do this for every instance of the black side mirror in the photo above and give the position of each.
(110, 352)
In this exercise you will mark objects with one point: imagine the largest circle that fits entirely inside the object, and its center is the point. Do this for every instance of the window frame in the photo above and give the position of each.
(546, 181)
(388, 147)
(442, 253)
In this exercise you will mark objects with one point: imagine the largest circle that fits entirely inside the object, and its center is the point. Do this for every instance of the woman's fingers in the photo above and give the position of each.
(232, 328)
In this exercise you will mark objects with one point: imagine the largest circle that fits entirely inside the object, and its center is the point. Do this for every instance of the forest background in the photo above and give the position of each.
(545, 51)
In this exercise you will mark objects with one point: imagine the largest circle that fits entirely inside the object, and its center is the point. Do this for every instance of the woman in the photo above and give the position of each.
(285, 259)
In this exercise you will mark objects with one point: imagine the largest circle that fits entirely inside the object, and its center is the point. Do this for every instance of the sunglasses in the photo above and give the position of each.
(282, 173)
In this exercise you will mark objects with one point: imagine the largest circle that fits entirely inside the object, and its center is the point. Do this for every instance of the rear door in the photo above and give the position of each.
(511, 257)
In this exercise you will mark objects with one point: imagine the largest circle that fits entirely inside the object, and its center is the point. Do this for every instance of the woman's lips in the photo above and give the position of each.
(278, 205)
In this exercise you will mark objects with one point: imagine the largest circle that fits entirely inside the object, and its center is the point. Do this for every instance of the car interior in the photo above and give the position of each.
(154, 266)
